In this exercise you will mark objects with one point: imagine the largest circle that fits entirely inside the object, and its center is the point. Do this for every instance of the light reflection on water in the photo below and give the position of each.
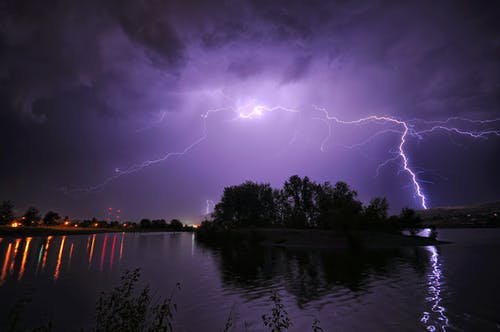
(38, 259)
(91, 253)
(59, 258)
(345, 291)
(434, 298)
(103, 252)
(25, 255)
(45, 252)
(5, 263)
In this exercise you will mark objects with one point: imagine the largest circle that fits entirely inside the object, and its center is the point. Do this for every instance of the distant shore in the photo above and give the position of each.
(319, 239)
(442, 224)
(65, 230)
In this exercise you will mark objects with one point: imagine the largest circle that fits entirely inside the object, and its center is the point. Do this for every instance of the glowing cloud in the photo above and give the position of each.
(406, 129)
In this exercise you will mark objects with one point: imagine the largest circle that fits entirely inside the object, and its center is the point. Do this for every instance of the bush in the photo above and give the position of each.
(278, 320)
(123, 310)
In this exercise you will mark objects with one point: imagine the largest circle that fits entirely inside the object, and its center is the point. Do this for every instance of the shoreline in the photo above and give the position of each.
(318, 239)
(29, 231)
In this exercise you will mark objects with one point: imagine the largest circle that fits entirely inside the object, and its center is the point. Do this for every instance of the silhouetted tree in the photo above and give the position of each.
(145, 223)
(31, 216)
(409, 219)
(346, 204)
(250, 203)
(299, 197)
(301, 203)
(281, 207)
(339, 206)
(6, 212)
(325, 198)
(50, 218)
(131, 224)
(377, 210)
(159, 223)
(175, 225)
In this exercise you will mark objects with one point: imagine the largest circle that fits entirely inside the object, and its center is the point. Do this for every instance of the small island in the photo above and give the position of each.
(310, 215)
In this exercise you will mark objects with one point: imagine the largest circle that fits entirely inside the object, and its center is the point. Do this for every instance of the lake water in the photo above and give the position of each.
(453, 287)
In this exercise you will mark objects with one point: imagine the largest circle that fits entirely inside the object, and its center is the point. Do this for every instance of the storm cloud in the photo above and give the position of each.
(79, 81)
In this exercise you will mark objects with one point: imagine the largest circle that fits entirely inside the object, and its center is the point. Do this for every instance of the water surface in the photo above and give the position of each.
(451, 287)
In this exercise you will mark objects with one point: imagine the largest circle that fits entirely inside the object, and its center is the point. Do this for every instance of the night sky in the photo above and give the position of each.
(92, 91)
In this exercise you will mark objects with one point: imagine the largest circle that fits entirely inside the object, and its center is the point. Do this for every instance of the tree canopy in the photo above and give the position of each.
(31, 216)
(6, 212)
(50, 218)
(249, 203)
(301, 203)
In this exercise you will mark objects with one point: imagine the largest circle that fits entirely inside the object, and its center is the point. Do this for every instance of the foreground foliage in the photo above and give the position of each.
(123, 310)
(278, 320)
(127, 309)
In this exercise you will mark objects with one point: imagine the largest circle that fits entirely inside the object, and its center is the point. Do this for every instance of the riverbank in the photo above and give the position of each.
(319, 239)
(67, 230)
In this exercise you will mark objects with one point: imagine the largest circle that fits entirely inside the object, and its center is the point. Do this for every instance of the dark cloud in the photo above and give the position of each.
(61, 46)
(223, 33)
(297, 69)
(245, 67)
(147, 24)
(77, 79)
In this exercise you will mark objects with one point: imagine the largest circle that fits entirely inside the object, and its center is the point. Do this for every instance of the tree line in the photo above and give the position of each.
(33, 217)
(303, 203)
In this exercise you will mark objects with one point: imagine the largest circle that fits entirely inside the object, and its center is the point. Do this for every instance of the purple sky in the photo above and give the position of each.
(90, 89)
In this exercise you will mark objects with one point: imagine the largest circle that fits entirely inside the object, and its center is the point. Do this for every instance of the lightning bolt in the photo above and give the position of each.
(405, 130)
(209, 203)
(401, 151)
(248, 111)
(258, 110)
(154, 124)
(137, 167)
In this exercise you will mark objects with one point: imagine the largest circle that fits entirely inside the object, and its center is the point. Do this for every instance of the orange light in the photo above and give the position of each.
(16, 246)
(15, 224)
(25, 256)
(103, 251)
(121, 246)
(59, 258)
(5, 263)
(75, 225)
(70, 255)
(66, 223)
(124, 225)
(96, 224)
(46, 250)
(112, 253)
(91, 250)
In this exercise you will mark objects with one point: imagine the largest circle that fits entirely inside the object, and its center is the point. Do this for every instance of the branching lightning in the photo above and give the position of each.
(401, 151)
(209, 203)
(405, 129)
(248, 111)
